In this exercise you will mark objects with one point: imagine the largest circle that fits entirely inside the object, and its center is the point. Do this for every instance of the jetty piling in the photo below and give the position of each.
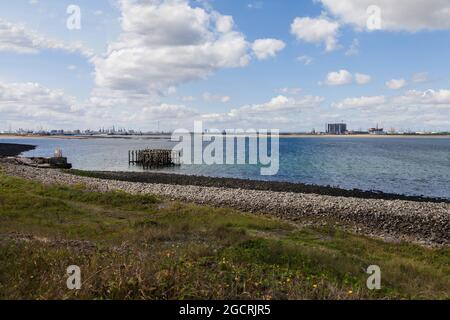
(154, 157)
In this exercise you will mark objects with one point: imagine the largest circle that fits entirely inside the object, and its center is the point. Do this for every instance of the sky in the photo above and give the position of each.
(269, 64)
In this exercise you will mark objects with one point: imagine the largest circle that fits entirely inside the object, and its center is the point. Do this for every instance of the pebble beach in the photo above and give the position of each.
(421, 222)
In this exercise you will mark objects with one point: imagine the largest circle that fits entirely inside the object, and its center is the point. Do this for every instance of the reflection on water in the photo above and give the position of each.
(415, 166)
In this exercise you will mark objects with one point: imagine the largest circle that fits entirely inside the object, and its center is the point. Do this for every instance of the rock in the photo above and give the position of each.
(422, 222)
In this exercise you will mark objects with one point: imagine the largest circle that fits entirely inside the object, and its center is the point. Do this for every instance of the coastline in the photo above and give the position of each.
(282, 136)
(141, 246)
(154, 177)
(425, 223)
(13, 149)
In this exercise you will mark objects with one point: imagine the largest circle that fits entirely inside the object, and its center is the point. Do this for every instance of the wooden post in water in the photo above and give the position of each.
(154, 157)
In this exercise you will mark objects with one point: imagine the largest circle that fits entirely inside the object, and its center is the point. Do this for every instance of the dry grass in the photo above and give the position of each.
(141, 247)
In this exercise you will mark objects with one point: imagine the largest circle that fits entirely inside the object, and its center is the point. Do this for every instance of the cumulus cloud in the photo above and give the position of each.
(429, 108)
(32, 101)
(436, 98)
(16, 38)
(280, 109)
(342, 77)
(316, 30)
(283, 103)
(396, 84)
(224, 24)
(171, 116)
(166, 43)
(399, 15)
(266, 48)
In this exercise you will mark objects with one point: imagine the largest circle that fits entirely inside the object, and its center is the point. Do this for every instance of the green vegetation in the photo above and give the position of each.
(141, 247)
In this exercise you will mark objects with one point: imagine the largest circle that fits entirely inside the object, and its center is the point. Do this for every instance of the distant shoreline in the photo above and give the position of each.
(287, 135)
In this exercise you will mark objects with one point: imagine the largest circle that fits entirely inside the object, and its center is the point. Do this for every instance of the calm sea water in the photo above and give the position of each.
(412, 166)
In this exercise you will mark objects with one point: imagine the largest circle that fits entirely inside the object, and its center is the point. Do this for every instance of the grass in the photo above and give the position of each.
(142, 247)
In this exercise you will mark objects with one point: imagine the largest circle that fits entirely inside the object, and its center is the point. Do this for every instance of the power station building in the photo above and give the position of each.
(336, 128)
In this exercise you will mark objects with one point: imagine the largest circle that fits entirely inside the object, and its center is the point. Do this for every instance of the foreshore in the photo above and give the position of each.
(246, 184)
(11, 149)
(415, 221)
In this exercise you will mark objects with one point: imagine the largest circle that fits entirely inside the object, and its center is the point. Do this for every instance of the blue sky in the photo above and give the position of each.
(291, 65)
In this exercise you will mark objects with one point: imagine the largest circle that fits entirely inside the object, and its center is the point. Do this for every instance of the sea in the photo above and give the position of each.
(418, 166)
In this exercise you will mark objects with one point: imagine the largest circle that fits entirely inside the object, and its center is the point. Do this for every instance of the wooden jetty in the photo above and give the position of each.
(154, 157)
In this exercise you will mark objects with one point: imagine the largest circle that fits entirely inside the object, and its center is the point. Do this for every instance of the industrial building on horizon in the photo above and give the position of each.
(340, 128)
(336, 128)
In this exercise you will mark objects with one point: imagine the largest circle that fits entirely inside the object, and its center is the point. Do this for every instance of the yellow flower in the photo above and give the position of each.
(350, 291)
(314, 286)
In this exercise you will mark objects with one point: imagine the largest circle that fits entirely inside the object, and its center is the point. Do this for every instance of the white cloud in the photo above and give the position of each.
(16, 38)
(163, 112)
(31, 101)
(266, 48)
(306, 60)
(399, 15)
(171, 116)
(436, 98)
(166, 43)
(361, 78)
(396, 84)
(342, 77)
(224, 24)
(283, 103)
(209, 97)
(414, 109)
(278, 110)
(360, 102)
(316, 30)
